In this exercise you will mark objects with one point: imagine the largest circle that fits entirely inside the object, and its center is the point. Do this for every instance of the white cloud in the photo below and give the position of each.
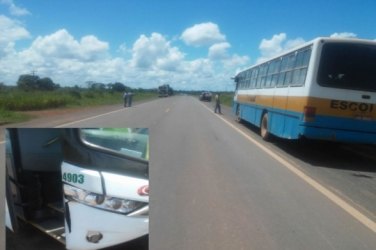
(155, 52)
(201, 67)
(219, 51)
(272, 46)
(276, 45)
(290, 44)
(63, 45)
(123, 49)
(91, 47)
(14, 9)
(279, 43)
(150, 61)
(11, 31)
(344, 35)
(203, 34)
(63, 58)
(235, 61)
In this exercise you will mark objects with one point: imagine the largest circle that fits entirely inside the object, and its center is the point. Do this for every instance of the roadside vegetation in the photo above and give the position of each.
(226, 96)
(33, 93)
(14, 101)
(19, 100)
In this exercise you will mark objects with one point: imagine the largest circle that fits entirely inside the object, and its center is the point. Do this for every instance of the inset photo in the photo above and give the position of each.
(86, 188)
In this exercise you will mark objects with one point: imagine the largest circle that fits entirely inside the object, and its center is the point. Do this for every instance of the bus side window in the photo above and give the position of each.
(282, 72)
(236, 79)
(274, 72)
(262, 76)
(250, 78)
(257, 78)
(269, 76)
(307, 57)
(254, 77)
(268, 81)
(299, 74)
(288, 78)
(244, 80)
(248, 74)
(240, 81)
(291, 58)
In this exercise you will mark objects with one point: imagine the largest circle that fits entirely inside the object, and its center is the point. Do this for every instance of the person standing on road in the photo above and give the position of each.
(130, 95)
(125, 97)
(217, 104)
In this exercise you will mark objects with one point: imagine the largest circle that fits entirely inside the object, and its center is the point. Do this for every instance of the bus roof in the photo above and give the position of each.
(309, 43)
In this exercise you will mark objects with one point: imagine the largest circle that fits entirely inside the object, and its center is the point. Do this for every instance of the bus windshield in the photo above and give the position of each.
(132, 142)
(348, 66)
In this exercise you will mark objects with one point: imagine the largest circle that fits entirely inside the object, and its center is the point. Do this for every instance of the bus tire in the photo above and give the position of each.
(265, 134)
(238, 118)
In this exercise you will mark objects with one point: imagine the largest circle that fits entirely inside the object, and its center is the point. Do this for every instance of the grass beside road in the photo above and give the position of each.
(13, 101)
(12, 117)
(226, 99)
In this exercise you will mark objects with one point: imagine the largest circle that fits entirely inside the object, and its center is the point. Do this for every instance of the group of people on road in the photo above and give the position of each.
(127, 97)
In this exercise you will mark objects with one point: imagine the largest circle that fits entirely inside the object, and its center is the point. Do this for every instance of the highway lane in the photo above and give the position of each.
(211, 188)
(226, 193)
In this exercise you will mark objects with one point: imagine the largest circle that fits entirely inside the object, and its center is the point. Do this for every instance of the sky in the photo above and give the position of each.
(191, 45)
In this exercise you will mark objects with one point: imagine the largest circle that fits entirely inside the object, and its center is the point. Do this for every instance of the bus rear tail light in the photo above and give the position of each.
(309, 113)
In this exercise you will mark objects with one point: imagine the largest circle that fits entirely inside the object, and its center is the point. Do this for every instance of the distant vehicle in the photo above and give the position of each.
(205, 96)
(87, 188)
(324, 89)
(165, 90)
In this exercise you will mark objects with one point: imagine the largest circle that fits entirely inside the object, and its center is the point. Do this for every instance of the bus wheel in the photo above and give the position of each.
(265, 134)
(238, 118)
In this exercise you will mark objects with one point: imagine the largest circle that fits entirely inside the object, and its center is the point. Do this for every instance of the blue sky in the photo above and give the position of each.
(188, 44)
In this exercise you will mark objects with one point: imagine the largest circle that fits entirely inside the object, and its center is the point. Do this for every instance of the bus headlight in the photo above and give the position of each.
(109, 203)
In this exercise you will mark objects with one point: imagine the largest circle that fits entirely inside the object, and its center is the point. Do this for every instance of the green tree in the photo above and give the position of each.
(46, 84)
(28, 82)
(33, 82)
(118, 86)
(95, 85)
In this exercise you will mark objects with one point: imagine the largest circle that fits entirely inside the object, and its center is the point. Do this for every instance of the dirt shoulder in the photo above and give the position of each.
(54, 117)
(50, 118)
(37, 114)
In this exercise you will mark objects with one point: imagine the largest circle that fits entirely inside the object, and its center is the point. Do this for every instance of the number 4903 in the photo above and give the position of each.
(73, 178)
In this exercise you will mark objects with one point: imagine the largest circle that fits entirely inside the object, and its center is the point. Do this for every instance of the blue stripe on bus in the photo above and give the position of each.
(341, 129)
(290, 125)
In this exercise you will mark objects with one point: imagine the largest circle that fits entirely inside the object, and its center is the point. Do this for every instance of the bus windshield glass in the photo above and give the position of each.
(348, 66)
(133, 142)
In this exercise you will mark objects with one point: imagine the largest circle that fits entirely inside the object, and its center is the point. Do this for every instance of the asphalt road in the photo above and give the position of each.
(216, 185)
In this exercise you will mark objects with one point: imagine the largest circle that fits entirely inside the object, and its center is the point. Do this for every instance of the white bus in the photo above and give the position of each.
(324, 89)
(87, 188)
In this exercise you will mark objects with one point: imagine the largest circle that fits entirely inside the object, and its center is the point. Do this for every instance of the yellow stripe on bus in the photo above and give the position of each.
(327, 107)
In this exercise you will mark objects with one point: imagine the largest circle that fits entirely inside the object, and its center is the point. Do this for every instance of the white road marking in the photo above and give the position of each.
(86, 119)
(89, 118)
(323, 190)
(326, 192)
